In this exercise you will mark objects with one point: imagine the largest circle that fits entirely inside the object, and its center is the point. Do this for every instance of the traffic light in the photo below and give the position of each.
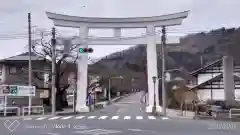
(85, 50)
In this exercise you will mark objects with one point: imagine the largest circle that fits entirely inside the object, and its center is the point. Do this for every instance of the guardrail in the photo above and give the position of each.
(232, 112)
(33, 109)
(7, 108)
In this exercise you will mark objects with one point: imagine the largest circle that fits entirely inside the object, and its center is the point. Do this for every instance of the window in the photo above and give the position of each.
(12, 70)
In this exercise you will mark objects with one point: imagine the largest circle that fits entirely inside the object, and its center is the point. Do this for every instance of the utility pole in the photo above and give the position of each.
(201, 59)
(30, 61)
(164, 98)
(154, 98)
(109, 89)
(53, 47)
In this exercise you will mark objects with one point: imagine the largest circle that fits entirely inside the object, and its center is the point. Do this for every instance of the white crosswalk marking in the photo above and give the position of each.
(139, 117)
(103, 117)
(80, 117)
(96, 117)
(68, 117)
(151, 117)
(54, 118)
(115, 117)
(165, 118)
(127, 117)
(27, 119)
(41, 118)
(97, 132)
(92, 117)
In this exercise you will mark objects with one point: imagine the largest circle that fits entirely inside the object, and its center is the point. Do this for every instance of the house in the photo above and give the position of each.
(14, 71)
(217, 81)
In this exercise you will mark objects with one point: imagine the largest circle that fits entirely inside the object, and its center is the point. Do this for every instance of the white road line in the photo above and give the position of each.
(27, 118)
(115, 117)
(151, 117)
(103, 117)
(52, 133)
(65, 118)
(165, 118)
(54, 118)
(127, 117)
(139, 117)
(80, 117)
(41, 118)
(92, 117)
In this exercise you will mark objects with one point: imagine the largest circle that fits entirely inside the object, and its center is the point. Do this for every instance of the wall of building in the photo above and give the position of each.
(216, 90)
(16, 73)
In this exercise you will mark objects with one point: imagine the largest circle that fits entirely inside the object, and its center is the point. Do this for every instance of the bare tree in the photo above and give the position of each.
(66, 55)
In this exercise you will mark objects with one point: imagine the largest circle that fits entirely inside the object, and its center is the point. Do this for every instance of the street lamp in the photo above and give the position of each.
(109, 85)
(154, 78)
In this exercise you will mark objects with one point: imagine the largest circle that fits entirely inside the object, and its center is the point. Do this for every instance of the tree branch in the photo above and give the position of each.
(37, 77)
(22, 77)
(65, 87)
(43, 44)
(62, 58)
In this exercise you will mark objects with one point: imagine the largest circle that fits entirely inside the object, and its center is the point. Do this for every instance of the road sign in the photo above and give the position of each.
(26, 91)
(5, 90)
(16, 90)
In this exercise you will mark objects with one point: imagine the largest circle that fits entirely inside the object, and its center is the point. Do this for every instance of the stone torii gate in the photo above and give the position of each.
(151, 39)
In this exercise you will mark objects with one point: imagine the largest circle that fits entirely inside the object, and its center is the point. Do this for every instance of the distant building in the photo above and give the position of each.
(217, 81)
(14, 71)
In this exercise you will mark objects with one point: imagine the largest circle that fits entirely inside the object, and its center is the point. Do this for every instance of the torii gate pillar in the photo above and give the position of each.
(82, 75)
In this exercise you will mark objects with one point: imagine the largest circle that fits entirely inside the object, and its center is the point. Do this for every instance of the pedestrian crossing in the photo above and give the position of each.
(96, 118)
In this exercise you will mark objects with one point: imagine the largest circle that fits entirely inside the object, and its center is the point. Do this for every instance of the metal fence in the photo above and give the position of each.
(11, 110)
(33, 110)
(234, 112)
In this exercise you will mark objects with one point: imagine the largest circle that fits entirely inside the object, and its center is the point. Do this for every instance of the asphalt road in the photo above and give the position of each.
(123, 118)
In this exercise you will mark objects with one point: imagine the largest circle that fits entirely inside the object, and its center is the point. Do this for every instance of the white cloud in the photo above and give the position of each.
(204, 15)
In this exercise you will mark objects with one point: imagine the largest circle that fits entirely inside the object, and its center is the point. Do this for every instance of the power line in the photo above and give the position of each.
(38, 32)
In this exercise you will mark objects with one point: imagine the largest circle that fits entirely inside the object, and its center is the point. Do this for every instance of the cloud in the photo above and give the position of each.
(204, 14)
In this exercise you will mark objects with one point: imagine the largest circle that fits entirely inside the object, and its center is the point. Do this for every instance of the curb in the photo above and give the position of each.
(69, 113)
(217, 119)
(184, 118)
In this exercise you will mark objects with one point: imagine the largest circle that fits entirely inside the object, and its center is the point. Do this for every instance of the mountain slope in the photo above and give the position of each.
(188, 53)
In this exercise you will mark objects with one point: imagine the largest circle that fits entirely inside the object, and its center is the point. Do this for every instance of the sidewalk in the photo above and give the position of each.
(173, 113)
(69, 111)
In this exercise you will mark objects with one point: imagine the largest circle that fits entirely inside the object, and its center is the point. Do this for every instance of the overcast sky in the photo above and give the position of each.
(204, 15)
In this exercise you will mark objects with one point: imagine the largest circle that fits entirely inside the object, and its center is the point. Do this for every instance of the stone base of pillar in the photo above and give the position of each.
(158, 109)
(149, 109)
(82, 109)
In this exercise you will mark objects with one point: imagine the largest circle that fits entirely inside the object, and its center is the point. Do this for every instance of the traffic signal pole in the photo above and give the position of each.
(164, 94)
(53, 47)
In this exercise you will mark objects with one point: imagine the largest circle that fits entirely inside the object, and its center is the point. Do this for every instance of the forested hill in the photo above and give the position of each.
(188, 53)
